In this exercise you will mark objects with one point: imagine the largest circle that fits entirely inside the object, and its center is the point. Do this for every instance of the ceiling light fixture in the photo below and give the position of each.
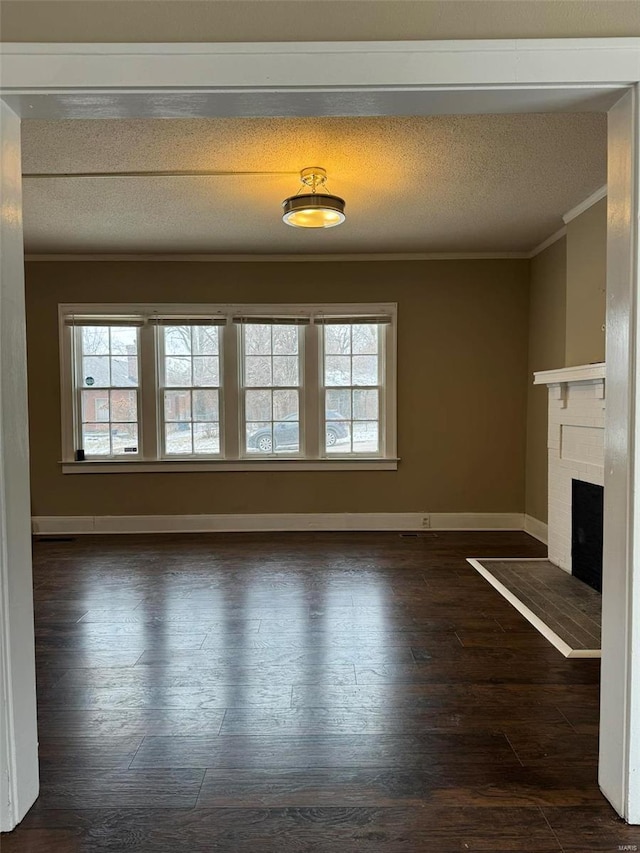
(313, 209)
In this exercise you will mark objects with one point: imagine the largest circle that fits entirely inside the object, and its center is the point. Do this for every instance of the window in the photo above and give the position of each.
(107, 388)
(190, 388)
(353, 391)
(271, 386)
(170, 387)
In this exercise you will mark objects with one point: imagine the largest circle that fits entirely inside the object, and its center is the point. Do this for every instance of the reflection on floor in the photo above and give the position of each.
(564, 609)
(361, 693)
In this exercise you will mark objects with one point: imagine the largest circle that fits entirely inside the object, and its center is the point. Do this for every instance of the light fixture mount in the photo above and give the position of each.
(313, 176)
(313, 209)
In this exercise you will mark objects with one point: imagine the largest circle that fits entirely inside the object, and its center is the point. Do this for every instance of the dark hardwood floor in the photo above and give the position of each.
(325, 693)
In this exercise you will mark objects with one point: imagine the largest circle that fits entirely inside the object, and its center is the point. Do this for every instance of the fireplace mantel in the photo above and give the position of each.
(582, 373)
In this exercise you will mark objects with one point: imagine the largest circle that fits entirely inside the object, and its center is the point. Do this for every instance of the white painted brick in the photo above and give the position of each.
(575, 439)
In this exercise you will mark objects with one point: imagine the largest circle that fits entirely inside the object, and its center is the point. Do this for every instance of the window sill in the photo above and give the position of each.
(195, 466)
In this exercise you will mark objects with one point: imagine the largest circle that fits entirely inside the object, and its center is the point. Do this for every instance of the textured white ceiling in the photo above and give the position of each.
(412, 184)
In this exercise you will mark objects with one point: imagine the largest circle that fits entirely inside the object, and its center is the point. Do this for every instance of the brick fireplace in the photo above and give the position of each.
(577, 401)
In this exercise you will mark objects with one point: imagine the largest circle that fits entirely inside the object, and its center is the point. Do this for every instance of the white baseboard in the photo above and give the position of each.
(477, 521)
(227, 523)
(259, 523)
(536, 528)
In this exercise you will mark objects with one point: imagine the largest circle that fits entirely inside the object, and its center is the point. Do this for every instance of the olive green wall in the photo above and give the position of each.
(462, 386)
(312, 20)
(547, 334)
(567, 302)
(586, 286)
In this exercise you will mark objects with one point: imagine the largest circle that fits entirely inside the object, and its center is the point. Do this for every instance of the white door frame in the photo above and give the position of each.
(368, 78)
(18, 729)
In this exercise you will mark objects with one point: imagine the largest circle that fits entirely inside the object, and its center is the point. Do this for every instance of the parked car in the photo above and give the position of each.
(286, 433)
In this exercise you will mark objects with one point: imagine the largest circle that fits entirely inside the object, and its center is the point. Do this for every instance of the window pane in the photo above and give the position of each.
(258, 406)
(109, 417)
(285, 340)
(337, 340)
(365, 370)
(95, 406)
(205, 406)
(124, 439)
(285, 370)
(285, 405)
(124, 370)
(178, 439)
(205, 340)
(365, 437)
(95, 340)
(287, 436)
(338, 437)
(365, 405)
(257, 339)
(206, 438)
(192, 362)
(206, 370)
(338, 405)
(365, 338)
(124, 341)
(257, 370)
(337, 370)
(95, 439)
(177, 405)
(177, 340)
(259, 438)
(124, 406)
(177, 371)
(95, 371)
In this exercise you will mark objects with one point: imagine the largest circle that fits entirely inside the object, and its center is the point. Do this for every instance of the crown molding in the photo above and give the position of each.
(204, 258)
(559, 234)
(594, 198)
(572, 214)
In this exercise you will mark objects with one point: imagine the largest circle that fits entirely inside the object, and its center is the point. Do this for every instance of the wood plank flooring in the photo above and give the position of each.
(361, 693)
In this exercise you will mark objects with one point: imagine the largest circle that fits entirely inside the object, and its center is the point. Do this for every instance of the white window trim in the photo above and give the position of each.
(230, 418)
